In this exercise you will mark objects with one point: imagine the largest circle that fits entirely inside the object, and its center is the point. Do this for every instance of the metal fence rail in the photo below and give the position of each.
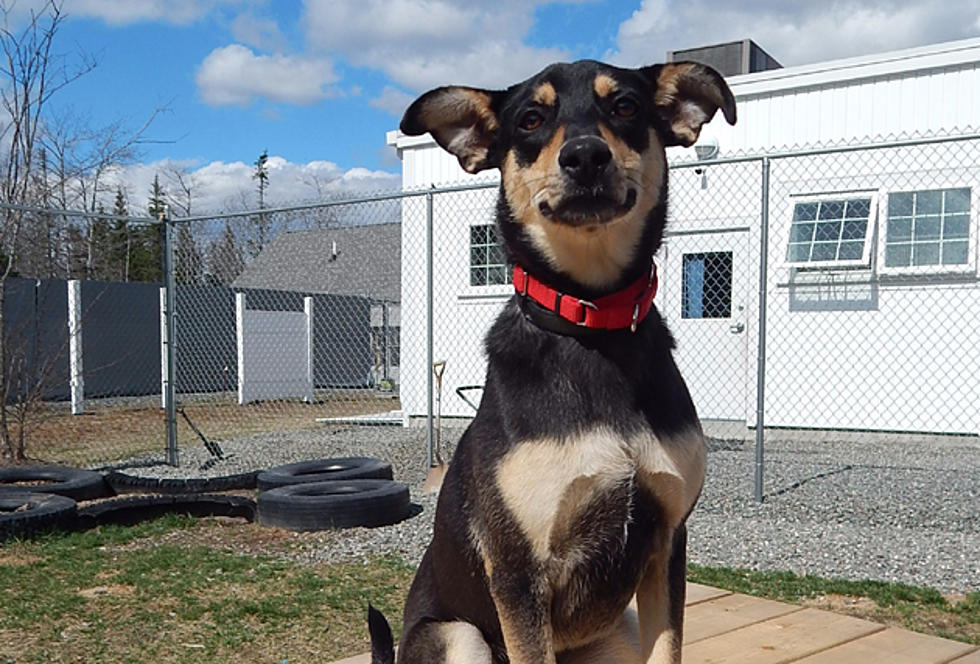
(811, 292)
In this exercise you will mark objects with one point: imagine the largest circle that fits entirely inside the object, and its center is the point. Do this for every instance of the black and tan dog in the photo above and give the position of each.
(568, 494)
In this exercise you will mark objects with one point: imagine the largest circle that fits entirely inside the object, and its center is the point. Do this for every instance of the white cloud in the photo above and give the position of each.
(261, 33)
(124, 12)
(235, 75)
(794, 33)
(392, 100)
(424, 43)
(223, 186)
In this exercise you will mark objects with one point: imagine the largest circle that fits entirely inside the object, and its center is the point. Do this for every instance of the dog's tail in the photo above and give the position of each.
(382, 643)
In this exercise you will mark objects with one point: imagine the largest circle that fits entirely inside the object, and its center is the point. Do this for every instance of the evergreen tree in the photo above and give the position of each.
(261, 221)
(225, 260)
(103, 249)
(188, 260)
(121, 238)
(146, 246)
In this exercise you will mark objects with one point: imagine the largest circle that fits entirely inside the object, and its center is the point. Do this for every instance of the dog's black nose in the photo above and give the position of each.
(584, 159)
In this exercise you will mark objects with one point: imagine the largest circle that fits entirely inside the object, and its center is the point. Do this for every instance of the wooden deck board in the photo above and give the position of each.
(697, 593)
(728, 613)
(895, 646)
(783, 639)
(722, 627)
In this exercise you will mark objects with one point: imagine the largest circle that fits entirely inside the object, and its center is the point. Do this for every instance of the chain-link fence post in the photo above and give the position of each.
(760, 390)
(429, 332)
(170, 366)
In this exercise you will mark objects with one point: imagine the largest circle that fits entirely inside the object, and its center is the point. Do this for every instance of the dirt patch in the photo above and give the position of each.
(116, 590)
(229, 534)
(850, 604)
(14, 559)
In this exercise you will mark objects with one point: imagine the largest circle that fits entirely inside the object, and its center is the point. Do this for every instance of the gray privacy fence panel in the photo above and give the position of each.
(36, 329)
(206, 352)
(120, 338)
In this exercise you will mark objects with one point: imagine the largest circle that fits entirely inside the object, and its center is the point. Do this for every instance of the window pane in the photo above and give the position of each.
(706, 288)
(928, 202)
(899, 205)
(478, 234)
(859, 208)
(898, 255)
(827, 231)
(955, 253)
(496, 275)
(957, 200)
(798, 253)
(801, 232)
(831, 210)
(926, 253)
(899, 229)
(478, 276)
(956, 226)
(926, 228)
(824, 251)
(854, 229)
(805, 212)
(478, 256)
(495, 255)
(851, 251)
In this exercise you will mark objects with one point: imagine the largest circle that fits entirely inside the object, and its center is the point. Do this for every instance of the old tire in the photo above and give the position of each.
(334, 504)
(123, 483)
(323, 470)
(27, 512)
(130, 510)
(74, 483)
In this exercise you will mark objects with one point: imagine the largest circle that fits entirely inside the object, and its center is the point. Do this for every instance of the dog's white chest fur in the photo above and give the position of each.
(543, 480)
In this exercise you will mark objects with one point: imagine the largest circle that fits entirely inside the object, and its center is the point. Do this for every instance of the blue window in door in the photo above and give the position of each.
(706, 285)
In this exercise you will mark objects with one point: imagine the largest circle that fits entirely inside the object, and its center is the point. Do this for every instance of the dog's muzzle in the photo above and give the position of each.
(590, 194)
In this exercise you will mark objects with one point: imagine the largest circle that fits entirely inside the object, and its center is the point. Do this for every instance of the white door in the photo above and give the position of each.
(703, 296)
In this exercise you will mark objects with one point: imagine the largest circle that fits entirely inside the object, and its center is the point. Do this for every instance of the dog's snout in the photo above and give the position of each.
(584, 159)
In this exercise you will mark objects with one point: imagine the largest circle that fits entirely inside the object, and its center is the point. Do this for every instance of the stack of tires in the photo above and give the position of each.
(38, 498)
(324, 494)
(321, 494)
(34, 499)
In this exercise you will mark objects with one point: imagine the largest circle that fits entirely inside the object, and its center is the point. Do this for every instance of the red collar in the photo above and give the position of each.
(616, 311)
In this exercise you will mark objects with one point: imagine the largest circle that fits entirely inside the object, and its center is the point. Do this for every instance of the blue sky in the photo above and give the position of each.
(319, 82)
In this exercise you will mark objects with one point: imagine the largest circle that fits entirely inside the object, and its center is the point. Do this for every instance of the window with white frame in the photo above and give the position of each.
(488, 265)
(928, 228)
(831, 232)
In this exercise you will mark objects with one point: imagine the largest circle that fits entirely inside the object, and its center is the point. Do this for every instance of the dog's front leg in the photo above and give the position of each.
(524, 609)
(660, 601)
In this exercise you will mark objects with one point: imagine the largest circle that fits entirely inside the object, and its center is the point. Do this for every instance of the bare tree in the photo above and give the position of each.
(44, 162)
(183, 187)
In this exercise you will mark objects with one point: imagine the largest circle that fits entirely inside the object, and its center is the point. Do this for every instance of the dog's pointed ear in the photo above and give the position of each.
(687, 95)
(463, 122)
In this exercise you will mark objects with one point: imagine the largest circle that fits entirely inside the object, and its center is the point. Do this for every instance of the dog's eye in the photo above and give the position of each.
(531, 121)
(625, 107)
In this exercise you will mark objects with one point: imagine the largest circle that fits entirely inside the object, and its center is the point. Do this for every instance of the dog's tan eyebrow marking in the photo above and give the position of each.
(545, 94)
(604, 85)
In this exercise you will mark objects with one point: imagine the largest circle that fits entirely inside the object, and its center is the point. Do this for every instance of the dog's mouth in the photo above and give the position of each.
(588, 207)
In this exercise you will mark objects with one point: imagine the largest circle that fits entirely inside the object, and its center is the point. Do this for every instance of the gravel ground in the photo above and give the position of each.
(903, 510)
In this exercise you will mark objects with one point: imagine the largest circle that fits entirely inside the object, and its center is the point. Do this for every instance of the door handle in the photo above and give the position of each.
(737, 328)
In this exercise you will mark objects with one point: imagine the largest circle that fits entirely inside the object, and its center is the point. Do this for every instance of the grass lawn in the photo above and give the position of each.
(185, 590)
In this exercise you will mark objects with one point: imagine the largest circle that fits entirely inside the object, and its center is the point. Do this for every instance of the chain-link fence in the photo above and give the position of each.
(825, 294)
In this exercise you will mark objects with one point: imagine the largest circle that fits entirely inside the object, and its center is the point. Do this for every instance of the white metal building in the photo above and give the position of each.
(873, 328)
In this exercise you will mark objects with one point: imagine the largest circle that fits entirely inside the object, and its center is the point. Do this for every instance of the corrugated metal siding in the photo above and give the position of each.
(915, 103)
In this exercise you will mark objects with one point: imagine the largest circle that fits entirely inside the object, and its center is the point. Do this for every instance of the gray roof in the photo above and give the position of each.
(367, 262)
